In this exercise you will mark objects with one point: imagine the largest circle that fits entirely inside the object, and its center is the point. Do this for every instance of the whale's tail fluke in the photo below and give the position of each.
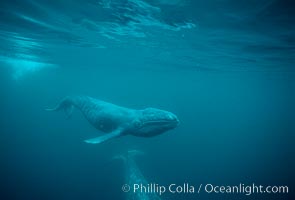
(135, 152)
(66, 105)
(129, 154)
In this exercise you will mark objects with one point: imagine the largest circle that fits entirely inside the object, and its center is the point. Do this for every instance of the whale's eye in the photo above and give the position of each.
(137, 124)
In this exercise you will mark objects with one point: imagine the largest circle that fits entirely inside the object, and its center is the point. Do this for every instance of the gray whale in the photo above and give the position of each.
(133, 175)
(117, 121)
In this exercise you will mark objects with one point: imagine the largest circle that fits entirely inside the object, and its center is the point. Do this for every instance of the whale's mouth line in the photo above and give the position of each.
(160, 122)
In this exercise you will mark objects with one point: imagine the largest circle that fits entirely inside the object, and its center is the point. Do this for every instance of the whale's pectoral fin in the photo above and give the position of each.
(105, 137)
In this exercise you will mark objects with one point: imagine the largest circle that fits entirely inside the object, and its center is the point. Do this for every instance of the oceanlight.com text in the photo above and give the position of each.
(187, 188)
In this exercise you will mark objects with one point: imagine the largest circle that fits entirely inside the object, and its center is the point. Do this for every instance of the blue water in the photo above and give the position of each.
(224, 67)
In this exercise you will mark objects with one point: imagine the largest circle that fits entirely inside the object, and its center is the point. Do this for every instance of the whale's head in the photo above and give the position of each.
(152, 121)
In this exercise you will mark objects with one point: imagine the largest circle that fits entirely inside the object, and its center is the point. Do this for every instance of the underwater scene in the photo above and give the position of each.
(147, 99)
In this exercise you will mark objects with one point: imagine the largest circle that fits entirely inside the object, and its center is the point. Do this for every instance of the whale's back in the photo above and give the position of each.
(102, 115)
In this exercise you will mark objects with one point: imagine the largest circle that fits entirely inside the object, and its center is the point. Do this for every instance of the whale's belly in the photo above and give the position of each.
(105, 124)
(106, 118)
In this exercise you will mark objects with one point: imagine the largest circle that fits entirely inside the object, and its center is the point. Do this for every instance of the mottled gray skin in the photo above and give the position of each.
(117, 120)
(133, 175)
